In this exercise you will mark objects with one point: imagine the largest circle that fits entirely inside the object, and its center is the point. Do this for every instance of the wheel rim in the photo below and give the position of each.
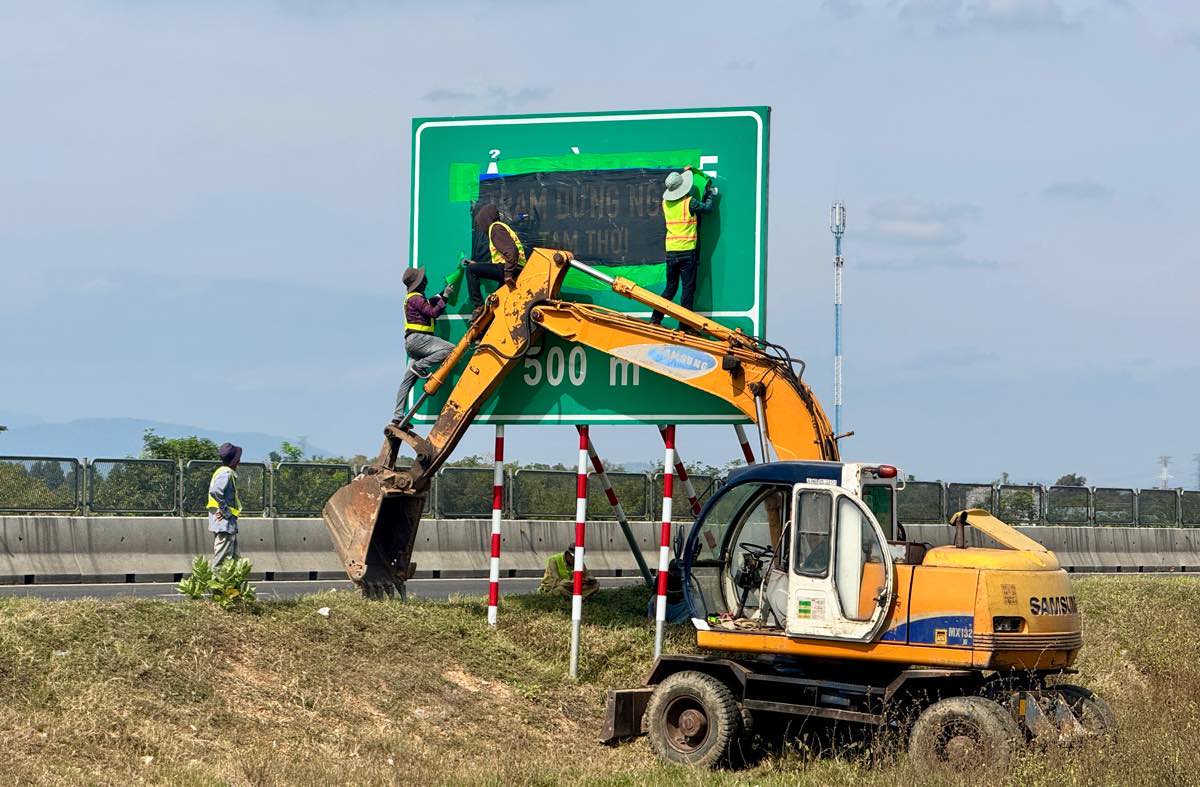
(961, 744)
(686, 724)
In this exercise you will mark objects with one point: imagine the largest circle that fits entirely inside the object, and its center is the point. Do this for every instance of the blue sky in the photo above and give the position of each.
(204, 205)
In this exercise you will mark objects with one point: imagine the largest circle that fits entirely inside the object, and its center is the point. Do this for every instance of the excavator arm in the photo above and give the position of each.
(374, 519)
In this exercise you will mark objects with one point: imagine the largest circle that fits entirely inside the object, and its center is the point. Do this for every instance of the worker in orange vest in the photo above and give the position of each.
(681, 213)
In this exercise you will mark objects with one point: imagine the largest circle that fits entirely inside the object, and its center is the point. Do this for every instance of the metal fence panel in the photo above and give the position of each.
(251, 486)
(960, 497)
(1158, 507)
(1068, 505)
(921, 502)
(632, 490)
(303, 488)
(1019, 504)
(681, 509)
(39, 483)
(133, 486)
(465, 492)
(546, 494)
(1114, 506)
(1189, 508)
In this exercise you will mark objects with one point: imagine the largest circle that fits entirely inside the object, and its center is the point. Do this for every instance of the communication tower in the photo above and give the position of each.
(837, 225)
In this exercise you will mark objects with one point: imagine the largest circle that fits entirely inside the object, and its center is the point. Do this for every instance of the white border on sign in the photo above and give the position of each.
(751, 313)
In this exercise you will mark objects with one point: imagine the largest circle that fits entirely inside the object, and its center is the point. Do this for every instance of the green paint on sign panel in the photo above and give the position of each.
(566, 383)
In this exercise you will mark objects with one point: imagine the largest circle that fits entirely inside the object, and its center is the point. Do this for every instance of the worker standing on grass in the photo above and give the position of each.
(224, 505)
(681, 213)
(425, 351)
(506, 250)
(559, 576)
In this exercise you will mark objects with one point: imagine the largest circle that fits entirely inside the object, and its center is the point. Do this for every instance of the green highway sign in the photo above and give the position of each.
(591, 183)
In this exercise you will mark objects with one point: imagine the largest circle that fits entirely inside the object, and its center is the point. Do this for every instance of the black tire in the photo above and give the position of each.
(693, 719)
(964, 733)
(1093, 713)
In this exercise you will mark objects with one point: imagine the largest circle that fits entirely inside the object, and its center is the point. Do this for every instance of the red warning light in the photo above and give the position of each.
(886, 471)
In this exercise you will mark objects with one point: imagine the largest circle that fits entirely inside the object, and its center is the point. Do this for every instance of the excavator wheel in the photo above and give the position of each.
(965, 733)
(693, 719)
(1092, 712)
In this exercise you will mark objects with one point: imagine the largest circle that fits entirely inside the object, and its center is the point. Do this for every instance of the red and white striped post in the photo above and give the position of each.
(497, 513)
(581, 478)
(747, 452)
(664, 545)
(618, 510)
(681, 471)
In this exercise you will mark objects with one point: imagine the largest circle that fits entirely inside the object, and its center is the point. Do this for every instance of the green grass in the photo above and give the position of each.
(423, 693)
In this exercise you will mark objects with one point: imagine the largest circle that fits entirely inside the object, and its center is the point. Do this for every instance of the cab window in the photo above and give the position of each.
(881, 499)
(814, 514)
(859, 575)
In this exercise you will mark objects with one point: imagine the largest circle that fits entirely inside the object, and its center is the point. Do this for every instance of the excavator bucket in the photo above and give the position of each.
(374, 528)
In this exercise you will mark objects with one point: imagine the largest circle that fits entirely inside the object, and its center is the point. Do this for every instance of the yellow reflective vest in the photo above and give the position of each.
(682, 227)
(213, 505)
(497, 257)
(415, 326)
(560, 565)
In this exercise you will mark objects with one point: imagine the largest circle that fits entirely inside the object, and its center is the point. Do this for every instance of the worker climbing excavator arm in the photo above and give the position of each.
(374, 519)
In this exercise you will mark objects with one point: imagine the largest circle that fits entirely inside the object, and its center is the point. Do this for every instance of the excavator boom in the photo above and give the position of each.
(374, 519)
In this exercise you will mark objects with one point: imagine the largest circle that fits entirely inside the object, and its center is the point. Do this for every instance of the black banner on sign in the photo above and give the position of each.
(605, 216)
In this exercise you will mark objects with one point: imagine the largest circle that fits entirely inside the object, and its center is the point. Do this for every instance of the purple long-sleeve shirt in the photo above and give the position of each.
(420, 310)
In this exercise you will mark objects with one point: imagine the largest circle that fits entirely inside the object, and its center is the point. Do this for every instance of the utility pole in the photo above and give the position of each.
(1196, 459)
(837, 225)
(1164, 474)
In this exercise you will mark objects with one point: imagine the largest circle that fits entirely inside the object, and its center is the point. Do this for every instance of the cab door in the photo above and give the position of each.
(840, 583)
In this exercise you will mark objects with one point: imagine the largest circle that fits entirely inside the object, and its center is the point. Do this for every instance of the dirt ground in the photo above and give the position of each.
(152, 692)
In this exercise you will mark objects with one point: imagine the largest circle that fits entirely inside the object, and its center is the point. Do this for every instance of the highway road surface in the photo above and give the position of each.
(437, 589)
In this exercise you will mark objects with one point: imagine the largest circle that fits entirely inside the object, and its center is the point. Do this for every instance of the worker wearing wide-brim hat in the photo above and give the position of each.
(681, 213)
(425, 351)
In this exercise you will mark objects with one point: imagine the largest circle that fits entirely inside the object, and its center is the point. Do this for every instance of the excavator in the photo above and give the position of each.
(807, 599)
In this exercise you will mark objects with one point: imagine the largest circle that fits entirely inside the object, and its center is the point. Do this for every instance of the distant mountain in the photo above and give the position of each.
(121, 437)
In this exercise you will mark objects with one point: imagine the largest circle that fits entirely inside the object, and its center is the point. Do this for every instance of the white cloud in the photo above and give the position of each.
(841, 9)
(1003, 16)
(931, 262)
(1077, 189)
(918, 223)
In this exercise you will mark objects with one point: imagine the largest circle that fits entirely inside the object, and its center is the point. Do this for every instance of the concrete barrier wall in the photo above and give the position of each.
(57, 549)
(1096, 549)
(66, 549)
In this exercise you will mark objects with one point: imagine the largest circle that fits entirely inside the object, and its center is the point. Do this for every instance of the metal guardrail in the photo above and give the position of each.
(960, 497)
(1019, 505)
(303, 488)
(30, 484)
(1112, 506)
(922, 502)
(1158, 507)
(1068, 505)
(133, 486)
(47, 484)
(465, 492)
(681, 510)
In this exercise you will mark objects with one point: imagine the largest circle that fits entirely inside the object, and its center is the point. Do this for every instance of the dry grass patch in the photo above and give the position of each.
(152, 692)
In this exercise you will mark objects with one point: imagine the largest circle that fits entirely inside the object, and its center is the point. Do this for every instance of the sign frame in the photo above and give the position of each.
(751, 319)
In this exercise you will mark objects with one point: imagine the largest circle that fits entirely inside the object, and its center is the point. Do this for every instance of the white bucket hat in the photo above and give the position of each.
(679, 184)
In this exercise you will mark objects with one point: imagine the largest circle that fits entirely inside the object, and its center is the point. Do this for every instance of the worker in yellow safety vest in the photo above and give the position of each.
(505, 250)
(425, 351)
(560, 572)
(224, 505)
(681, 212)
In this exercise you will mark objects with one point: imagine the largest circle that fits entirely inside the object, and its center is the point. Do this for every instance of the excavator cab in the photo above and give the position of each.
(784, 549)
